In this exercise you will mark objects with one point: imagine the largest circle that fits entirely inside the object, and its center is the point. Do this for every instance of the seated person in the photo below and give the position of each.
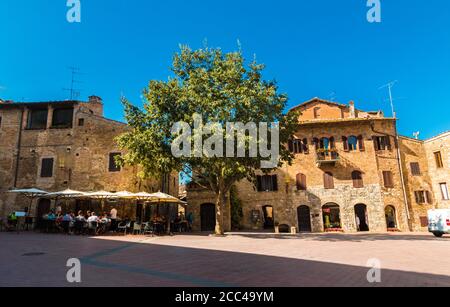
(80, 217)
(67, 218)
(93, 218)
(51, 216)
(12, 221)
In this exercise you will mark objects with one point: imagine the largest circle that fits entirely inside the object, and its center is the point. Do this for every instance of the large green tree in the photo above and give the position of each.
(221, 88)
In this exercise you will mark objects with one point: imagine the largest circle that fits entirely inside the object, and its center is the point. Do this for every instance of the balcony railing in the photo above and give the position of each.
(327, 157)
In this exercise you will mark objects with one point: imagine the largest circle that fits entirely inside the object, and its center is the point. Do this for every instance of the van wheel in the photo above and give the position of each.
(438, 234)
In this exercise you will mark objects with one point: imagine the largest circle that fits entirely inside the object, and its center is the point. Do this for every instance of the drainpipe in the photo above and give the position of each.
(19, 141)
(400, 166)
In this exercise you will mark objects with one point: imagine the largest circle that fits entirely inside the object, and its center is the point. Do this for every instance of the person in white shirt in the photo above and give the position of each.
(113, 216)
(93, 218)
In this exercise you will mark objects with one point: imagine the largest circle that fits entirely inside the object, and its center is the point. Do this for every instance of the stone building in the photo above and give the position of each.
(59, 145)
(351, 173)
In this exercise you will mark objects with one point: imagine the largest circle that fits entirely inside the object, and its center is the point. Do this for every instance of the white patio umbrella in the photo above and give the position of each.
(143, 196)
(163, 198)
(30, 193)
(66, 195)
(125, 195)
(101, 195)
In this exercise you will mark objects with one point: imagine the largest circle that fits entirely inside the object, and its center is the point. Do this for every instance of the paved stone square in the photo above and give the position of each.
(261, 260)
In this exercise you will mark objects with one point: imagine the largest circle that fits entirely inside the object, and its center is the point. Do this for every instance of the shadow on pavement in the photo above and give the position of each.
(123, 264)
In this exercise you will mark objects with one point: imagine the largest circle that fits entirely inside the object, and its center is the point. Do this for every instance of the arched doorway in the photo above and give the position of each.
(269, 219)
(391, 217)
(304, 219)
(208, 217)
(43, 207)
(331, 217)
(361, 216)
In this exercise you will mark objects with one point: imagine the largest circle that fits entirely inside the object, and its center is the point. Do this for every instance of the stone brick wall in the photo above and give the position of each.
(440, 143)
(413, 151)
(80, 153)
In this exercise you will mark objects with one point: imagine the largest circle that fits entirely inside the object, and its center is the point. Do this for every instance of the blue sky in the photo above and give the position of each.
(312, 48)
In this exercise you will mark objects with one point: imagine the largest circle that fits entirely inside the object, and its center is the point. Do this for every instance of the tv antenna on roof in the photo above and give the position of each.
(389, 86)
(416, 135)
(332, 96)
(74, 93)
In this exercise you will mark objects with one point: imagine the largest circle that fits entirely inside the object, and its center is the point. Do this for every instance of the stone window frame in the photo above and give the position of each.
(438, 159)
(445, 193)
(39, 174)
(358, 180)
(415, 169)
(118, 169)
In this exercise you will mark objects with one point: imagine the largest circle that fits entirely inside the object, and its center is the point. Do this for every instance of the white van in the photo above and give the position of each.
(439, 222)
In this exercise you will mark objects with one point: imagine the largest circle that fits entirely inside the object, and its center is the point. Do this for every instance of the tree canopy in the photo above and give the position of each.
(219, 88)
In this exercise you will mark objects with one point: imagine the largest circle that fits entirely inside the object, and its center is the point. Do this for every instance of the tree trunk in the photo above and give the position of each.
(220, 211)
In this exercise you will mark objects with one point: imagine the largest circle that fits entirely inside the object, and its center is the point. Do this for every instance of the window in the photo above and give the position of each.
(444, 191)
(382, 143)
(267, 183)
(353, 143)
(415, 169)
(438, 158)
(81, 122)
(113, 167)
(62, 118)
(301, 182)
(423, 221)
(47, 168)
(298, 146)
(388, 179)
(328, 180)
(37, 119)
(316, 113)
(423, 197)
(357, 180)
(0, 121)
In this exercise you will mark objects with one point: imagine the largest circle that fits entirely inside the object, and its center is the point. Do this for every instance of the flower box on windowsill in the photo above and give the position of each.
(334, 230)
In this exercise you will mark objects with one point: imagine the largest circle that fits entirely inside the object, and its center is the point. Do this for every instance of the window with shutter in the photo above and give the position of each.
(388, 179)
(352, 143)
(444, 191)
(267, 183)
(47, 168)
(301, 182)
(429, 197)
(357, 180)
(387, 141)
(345, 143)
(305, 146)
(361, 143)
(113, 167)
(421, 197)
(291, 146)
(328, 180)
(415, 169)
(274, 183)
(424, 221)
(438, 158)
(316, 143)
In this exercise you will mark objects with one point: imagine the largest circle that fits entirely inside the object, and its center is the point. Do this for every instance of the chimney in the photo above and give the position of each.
(95, 99)
(352, 109)
(95, 104)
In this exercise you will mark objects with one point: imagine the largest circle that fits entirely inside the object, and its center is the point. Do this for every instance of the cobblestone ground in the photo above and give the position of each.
(29, 259)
